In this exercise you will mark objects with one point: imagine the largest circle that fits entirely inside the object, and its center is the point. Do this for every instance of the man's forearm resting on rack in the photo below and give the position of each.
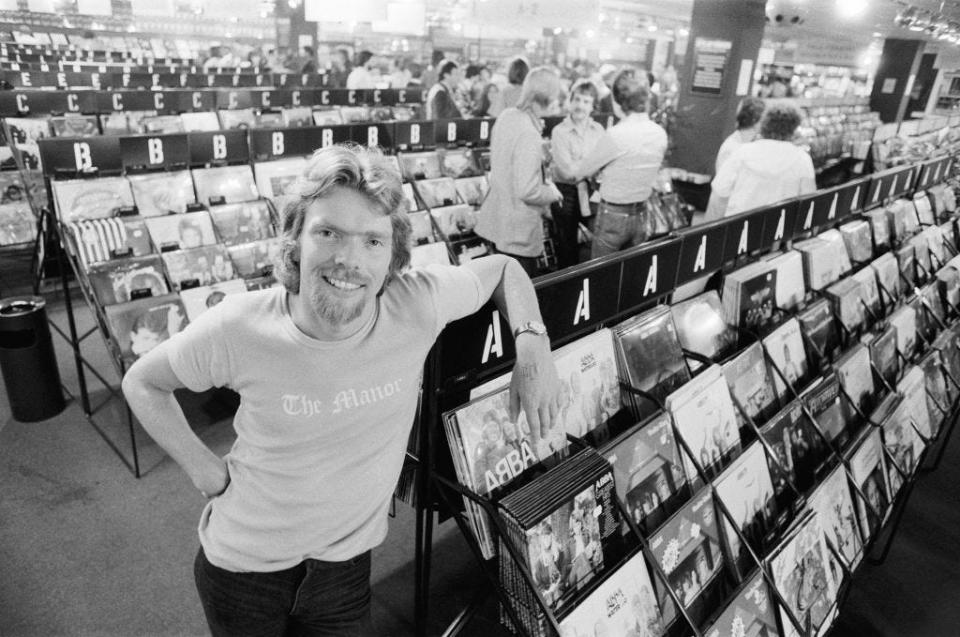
(534, 385)
(148, 387)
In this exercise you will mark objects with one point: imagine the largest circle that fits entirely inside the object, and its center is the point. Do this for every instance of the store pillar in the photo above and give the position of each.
(717, 73)
(895, 76)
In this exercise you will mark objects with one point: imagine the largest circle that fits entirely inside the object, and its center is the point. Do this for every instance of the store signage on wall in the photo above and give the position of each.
(710, 63)
(889, 85)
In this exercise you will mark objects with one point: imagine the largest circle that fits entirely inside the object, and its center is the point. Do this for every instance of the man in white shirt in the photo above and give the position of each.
(764, 171)
(361, 76)
(627, 157)
(748, 127)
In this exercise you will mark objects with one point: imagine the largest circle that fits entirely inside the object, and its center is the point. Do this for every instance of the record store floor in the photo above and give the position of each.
(87, 549)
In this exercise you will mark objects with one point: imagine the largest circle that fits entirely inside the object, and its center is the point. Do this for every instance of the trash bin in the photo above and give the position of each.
(27, 360)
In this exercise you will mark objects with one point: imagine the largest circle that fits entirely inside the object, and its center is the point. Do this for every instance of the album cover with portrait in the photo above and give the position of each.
(199, 266)
(706, 420)
(751, 611)
(648, 471)
(472, 190)
(417, 166)
(99, 240)
(807, 575)
(200, 121)
(158, 194)
(687, 547)
(436, 193)
(237, 118)
(74, 125)
(702, 328)
(121, 280)
(746, 490)
(181, 232)
(225, 184)
(649, 356)
(274, 177)
(139, 326)
(196, 301)
(623, 604)
(243, 222)
(749, 295)
(100, 198)
(255, 258)
(798, 453)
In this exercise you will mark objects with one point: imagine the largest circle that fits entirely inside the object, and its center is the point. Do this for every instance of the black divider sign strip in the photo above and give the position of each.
(778, 223)
(275, 143)
(477, 342)
(154, 151)
(806, 206)
(447, 131)
(701, 252)
(166, 102)
(648, 273)
(902, 182)
(372, 135)
(878, 185)
(121, 101)
(323, 136)
(476, 131)
(575, 301)
(856, 193)
(744, 234)
(194, 100)
(15, 103)
(236, 99)
(229, 146)
(413, 135)
(61, 154)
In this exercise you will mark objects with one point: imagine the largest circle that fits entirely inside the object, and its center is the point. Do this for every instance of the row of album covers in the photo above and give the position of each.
(157, 249)
(755, 437)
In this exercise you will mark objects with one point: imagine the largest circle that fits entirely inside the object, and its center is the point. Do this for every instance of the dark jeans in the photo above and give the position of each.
(619, 226)
(566, 219)
(312, 598)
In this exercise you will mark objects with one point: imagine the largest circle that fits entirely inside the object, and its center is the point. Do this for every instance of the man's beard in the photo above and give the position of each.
(331, 309)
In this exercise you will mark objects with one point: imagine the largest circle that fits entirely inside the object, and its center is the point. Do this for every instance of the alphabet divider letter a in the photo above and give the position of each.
(744, 234)
(583, 304)
(494, 341)
(781, 225)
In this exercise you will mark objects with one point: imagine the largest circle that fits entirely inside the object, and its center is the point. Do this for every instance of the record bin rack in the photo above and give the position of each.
(35, 246)
(622, 285)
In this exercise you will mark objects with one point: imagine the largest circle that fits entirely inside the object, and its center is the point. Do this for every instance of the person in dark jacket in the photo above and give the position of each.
(440, 101)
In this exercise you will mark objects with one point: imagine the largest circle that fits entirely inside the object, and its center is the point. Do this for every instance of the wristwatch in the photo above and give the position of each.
(533, 327)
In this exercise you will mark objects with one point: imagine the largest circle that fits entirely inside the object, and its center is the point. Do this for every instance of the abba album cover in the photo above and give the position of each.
(206, 265)
(91, 198)
(115, 281)
(139, 326)
(243, 222)
(158, 194)
(181, 232)
(196, 301)
(234, 184)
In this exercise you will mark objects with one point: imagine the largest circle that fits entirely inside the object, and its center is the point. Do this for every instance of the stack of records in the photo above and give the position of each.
(847, 302)
(902, 219)
(225, 184)
(297, 116)
(472, 190)
(73, 125)
(831, 414)
(807, 577)
(79, 199)
(237, 118)
(879, 227)
(707, 422)
(687, 548)
(856, 237)
(746, 492)
(424, 165)
(789, 270)
(833, 505)
(410, 198)
(701, 327)
(888, 278)
(938, 397)
(908, 266)
(437, 193)
(856, 378)
(162, 124)
(749, 295)
(788, 359)
(274, 177)
(181, 232)
(243, 222)
(459, 162)
(255, 258)
(751, 611)
(453, 221)
(647, 471)
(869, 294)
(201, 121)
(139, 326)
(883, 355)
(819, 268)
(816, 322)
(650, 356)
(490, 449)
(921, 255)
(904, 321)
(421, 227)
(565, 526)
(751, 387)
(127, 279)
(199, 266)
(196, 301)
(922, 205)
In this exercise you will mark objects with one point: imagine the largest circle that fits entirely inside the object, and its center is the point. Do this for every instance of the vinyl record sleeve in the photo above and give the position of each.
(74, 126)
(243, 222)
(99, 240)
(912, 387)
(883, 355)
(184, 231)
(701, 327)
(327, 117)
(869, 470)
(623, 604)
(845, 296)
(647, 471)
(797, 448)
(746, 490)
(749, 295)
(888, 278)
(790, 289)
(252, 259)
(274, 177)
(79, 199)
(869, 294)
(751, 612)
(857, 238)
(833, 505)
(200, 121)
(354, 114)
(234, 183)
(454, 220)
(416, 166)
(806, 574)
(206, 265)
(829, 408)
(161, 124)
(458, 162)
(856, 377)
(160, 194)
(27, 130)
(17, 224)
(141, 325)
(237, 118)
(412, 203)
(748, 378)
(196, 301)
(879, 227)
(436, 193)
(817, 322)
(297, 116)
(114, 281)
(472, 190)
(904, 321)
(785, 349)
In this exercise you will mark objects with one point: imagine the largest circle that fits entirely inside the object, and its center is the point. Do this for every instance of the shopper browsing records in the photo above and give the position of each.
(328, 368)
(510, 95)
(748, 127)
(571, 140)
(628, 158)
(764, 171)
(362, 76)
(440, 101)
(519, 194)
